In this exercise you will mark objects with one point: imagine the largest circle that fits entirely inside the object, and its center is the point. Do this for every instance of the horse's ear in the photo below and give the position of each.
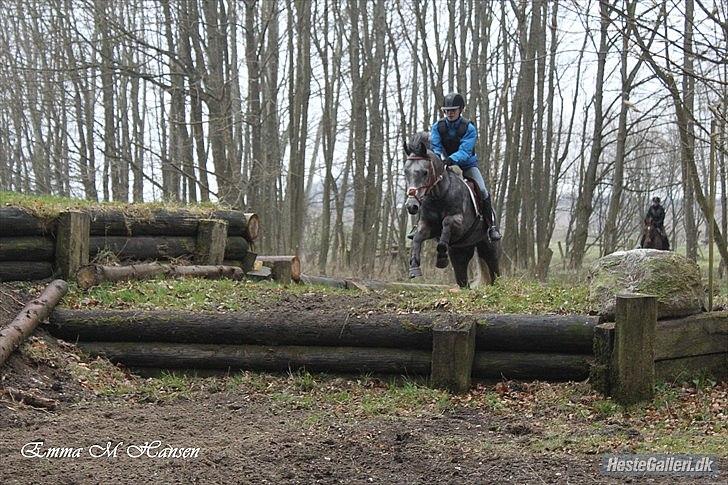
(406, 147)
(422, 150)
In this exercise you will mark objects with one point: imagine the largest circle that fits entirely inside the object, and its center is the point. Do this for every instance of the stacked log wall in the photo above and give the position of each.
(28, 242)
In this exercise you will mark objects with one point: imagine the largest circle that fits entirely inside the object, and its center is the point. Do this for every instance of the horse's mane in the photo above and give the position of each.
(419, 144)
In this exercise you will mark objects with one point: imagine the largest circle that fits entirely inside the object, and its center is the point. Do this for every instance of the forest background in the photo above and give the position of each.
(297, 111)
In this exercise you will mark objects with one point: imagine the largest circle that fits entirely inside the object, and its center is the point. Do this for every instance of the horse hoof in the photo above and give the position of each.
(415, 272)
(441, 262)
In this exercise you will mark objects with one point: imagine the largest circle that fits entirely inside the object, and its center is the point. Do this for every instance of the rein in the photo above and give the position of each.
(432, 180)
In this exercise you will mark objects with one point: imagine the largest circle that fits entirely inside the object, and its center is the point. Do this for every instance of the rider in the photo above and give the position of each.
(453, 139)
(657, 213)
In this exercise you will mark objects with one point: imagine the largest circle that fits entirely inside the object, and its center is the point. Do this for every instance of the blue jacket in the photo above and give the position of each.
(465, 156)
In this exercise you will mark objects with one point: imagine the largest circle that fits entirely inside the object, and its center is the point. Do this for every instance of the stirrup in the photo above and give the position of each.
(494, 234)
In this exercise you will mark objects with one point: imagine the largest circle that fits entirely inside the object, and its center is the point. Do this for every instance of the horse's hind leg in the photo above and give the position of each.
(488, 260)
(460, 258)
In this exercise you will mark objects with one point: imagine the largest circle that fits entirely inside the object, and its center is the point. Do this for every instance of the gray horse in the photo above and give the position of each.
(447, 212)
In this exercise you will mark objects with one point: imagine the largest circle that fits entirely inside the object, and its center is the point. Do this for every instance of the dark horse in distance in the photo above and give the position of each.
(653, 237)
(448, 211)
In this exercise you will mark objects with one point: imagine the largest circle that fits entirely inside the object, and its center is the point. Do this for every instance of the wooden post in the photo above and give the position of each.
(453, 349)
(72, 242)
(600, 374)
(211, 240)
(634, 348)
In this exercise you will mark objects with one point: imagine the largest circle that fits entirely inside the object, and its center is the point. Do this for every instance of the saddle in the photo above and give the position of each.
(475, 195)
(473, 190)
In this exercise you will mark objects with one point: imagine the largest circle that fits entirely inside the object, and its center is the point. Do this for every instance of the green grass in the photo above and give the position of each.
(508, 295)
(48, 206)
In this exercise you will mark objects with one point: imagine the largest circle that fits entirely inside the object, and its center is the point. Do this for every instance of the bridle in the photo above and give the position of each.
(431, 182)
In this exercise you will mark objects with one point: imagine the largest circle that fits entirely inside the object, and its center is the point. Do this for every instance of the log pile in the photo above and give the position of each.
(324, 342)
(33, 248)
(27, 245)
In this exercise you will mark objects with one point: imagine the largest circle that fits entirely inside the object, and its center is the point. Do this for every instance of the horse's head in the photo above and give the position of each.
(422, 170)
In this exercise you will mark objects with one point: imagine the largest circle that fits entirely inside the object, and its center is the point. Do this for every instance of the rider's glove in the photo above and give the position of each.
(449, 161)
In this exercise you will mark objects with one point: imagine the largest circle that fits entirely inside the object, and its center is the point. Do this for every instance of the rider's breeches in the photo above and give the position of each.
(473, 173)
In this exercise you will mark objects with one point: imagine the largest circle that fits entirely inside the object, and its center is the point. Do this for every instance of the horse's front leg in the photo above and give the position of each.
(447, 224)
(422, 234)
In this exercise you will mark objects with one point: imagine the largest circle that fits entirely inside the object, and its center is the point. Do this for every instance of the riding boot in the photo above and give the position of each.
(493, 232)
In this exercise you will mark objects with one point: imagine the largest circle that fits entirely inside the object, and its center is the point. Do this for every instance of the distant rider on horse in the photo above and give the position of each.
(453, 140)
(656, 213)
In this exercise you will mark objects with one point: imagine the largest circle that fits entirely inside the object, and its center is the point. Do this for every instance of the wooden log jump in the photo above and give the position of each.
(489, 365)
(300, 328)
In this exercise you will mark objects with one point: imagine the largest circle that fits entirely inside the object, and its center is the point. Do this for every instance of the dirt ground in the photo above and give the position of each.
(302, 428)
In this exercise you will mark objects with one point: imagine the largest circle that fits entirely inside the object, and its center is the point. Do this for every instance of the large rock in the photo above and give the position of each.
(673, 278)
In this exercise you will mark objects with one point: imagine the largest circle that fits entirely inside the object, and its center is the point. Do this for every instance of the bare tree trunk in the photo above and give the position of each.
(584, 205)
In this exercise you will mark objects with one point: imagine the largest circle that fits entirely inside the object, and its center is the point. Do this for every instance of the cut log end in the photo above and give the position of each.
(252, 226)
(88, 276)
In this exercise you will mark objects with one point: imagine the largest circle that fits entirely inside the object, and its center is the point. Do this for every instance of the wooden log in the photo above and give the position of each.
(95, 274)
(285, 264)
(29, 317)
(701, 334)
(323, 281)
(281, 327)
(211, 240)
(530, 365)
(161, 222)
(17, 221)
(252, 226)
(25, 270)
(332, 359)
(542, 333)
(27, 248)
(264, 358)
(72, 243)
(686, 368)
(144, 248)
(453, 347)
(634, 351)
(236, 247)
